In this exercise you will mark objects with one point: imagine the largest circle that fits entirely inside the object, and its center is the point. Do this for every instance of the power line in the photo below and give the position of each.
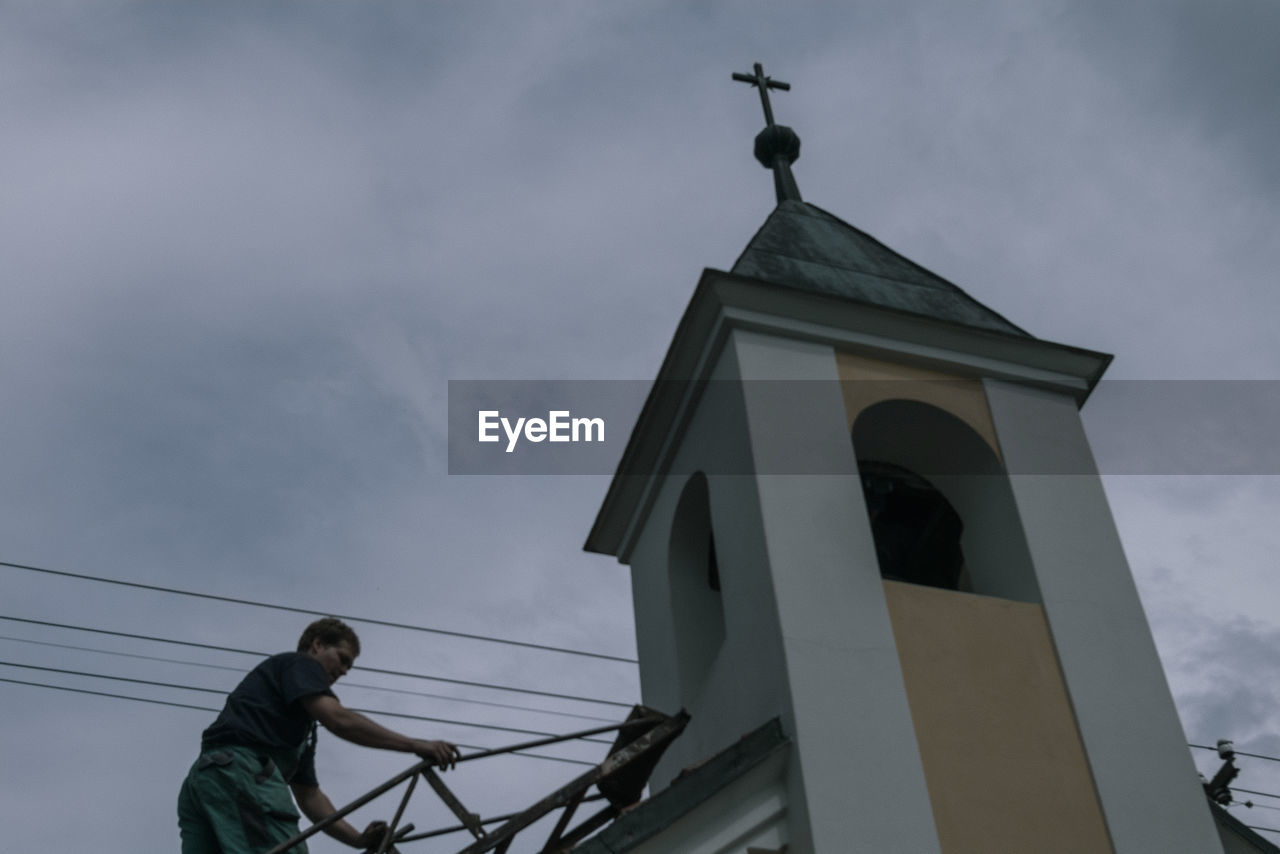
(208, 709)
(122, 654)
(1252, 792)
(131, 679)
(1237, 752)
(512, 706)
(291, 609)
(580, 699)
(154, 683)
(345, 683)
(131, 635)
(106, 694)
(215, 647)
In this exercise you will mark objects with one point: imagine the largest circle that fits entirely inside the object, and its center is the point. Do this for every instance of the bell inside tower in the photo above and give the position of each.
(917, 531)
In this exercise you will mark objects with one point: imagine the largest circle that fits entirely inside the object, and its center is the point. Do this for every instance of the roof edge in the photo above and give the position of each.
(1222, 818)
(726, 301)
(692, 788)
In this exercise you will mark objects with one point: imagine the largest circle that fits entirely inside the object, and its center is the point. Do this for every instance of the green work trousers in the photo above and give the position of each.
(234, 801)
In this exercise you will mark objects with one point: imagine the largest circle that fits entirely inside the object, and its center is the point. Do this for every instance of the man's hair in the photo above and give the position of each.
(330, 631)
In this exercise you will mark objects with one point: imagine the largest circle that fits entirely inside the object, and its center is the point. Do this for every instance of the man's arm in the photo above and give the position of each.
(356, 728)
(315, 805)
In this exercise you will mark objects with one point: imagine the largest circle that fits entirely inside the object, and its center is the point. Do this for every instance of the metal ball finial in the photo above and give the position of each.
(777, 146)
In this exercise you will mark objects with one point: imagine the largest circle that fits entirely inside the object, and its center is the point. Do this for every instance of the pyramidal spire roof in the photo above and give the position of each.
(803, 247)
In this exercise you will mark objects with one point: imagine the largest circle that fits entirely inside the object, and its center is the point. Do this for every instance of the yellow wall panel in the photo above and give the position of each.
(1002, 755)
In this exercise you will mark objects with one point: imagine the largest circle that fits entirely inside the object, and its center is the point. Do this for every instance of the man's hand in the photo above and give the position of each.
(372, 837)
(442, 753)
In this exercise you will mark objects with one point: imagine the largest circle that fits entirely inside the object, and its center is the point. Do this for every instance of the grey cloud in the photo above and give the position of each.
(1236, 679)
(246, 246)
(1213, 66)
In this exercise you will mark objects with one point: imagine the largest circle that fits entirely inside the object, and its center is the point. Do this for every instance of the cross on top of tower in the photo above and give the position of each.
(764, 84)
(777, 146)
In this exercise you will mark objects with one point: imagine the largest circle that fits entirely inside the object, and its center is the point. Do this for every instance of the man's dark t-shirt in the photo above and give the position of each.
(264, 712)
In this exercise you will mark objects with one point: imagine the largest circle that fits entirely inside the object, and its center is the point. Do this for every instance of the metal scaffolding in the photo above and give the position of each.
(620, 779)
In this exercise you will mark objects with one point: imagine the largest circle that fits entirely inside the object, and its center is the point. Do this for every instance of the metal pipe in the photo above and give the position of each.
(528, 745)
(427, 763)
(395, 821)
(350, 808)
(458, 828)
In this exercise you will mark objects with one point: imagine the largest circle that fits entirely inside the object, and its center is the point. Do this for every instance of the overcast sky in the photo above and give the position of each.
(245, 246)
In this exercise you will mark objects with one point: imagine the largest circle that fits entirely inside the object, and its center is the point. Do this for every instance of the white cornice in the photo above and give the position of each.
(724, 302)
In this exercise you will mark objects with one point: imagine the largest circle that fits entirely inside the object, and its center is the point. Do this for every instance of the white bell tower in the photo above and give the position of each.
(861, 502)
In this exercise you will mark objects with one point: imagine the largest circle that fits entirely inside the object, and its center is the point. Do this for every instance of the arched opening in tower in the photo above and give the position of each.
(917, 531)
(939, 502)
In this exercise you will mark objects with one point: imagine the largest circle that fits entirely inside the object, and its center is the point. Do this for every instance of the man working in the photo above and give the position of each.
(235, 799)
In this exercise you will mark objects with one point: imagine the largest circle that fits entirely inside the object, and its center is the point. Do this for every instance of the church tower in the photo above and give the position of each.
(862, 503)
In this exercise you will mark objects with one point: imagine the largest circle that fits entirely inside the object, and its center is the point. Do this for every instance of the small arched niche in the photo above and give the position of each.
(694, 581)
(939, 502)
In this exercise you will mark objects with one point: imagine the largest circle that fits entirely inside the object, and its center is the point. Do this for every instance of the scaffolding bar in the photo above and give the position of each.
(565, 818)
(469, 819)
(497, 819)
(662, 729)
(659, 735)
(350, 808)
(427, 763)
(395, 821)
(583, 830)
(555, 739)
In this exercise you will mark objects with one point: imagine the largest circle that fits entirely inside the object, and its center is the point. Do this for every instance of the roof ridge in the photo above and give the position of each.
(759, 231)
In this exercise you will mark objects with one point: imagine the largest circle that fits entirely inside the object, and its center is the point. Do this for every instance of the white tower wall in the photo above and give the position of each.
(1135, 744)
(807, 630)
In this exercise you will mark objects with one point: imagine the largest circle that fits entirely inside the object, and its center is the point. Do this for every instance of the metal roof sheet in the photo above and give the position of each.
(689, 791)
(804, 247)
